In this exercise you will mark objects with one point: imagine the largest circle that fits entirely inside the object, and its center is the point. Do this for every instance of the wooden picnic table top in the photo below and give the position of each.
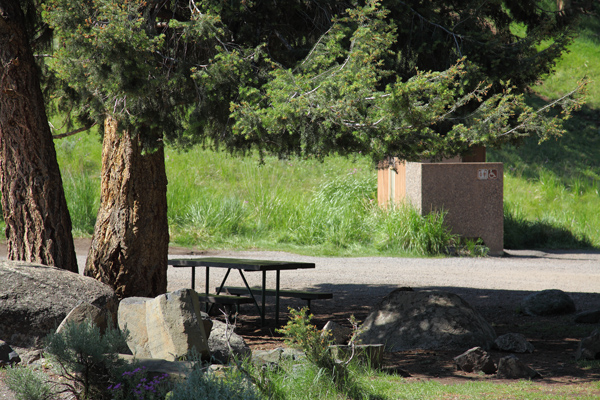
(239, 263)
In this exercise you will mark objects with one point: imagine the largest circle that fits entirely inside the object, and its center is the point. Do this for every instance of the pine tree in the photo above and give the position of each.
(38, 225)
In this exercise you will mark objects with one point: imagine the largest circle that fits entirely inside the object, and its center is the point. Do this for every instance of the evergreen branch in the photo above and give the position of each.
(314, 48)
(64, 135)
(541, 110)
(351, 124)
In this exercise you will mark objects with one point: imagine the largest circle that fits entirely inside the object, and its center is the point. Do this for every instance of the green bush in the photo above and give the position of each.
(28, 384)
(87, 360)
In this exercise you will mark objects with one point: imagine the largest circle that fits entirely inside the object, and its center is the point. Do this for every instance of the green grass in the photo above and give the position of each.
(299, 380)
(306, 206)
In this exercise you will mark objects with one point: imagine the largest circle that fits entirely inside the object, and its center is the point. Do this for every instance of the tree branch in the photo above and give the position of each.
(64, 135)
(540, 110)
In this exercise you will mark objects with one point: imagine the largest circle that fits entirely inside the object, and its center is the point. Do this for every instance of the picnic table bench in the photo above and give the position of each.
(299, 294)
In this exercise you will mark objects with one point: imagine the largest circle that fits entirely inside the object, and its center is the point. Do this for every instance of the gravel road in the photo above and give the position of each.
(570, 271)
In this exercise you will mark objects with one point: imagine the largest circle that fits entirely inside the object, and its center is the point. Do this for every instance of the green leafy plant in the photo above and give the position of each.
(86, 359)
(28, 384)
(301, 334)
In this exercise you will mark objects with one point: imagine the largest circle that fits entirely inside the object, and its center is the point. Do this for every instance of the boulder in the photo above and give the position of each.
(548, 302)
(339, 334)
(166, 327)
(510, 367)
(132, 317)
(589, 347)
(86, 312)
(588, 317)
(35, 298)
(514, 343)
(428, 319)
(475, 360)
(7, 355)
(220, 350)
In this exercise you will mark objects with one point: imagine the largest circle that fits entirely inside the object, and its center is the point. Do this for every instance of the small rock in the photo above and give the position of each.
(340, 334)
(510, 367)
(220, 350)
(474, 360)
(514, 343)
(589, 347)
(87, 312)
(7, 355)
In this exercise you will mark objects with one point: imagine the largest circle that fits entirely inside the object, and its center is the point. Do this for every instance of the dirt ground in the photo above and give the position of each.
(555, 338)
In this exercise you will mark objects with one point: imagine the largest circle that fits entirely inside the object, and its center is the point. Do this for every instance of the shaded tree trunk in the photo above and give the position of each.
(131, 237)
(38, 225)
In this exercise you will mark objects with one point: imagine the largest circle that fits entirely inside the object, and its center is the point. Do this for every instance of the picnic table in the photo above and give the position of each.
(242, 266)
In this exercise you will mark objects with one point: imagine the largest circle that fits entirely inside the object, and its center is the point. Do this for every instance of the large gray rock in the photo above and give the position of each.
(548, 302)
(427, 319)
(221, 351)
(35, 298)
(166, 327)
(589, 347)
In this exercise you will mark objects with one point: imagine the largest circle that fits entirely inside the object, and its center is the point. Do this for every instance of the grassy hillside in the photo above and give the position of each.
(552, 189)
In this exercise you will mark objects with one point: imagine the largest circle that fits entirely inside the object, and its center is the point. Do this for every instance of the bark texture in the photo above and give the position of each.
(131, 237)
(38, 225)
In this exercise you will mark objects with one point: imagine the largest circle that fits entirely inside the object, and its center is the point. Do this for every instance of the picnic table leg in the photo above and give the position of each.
(276, 298)
(264, 292)
(193, 278)
(260, 312)
(207, 275)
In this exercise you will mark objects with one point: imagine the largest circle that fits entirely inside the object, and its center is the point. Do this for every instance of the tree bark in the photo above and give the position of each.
(38, 225)
(131, 237)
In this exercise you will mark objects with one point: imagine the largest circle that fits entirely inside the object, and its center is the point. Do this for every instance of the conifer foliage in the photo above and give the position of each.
(390, 78)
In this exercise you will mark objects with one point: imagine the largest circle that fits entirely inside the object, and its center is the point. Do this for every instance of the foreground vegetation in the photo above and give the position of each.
(84, 363)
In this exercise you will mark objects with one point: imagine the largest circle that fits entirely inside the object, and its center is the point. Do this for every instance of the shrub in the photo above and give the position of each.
(208, 386)
(28, 384)
(87, 359)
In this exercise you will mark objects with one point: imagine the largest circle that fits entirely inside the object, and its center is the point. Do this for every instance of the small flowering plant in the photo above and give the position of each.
(135, 385)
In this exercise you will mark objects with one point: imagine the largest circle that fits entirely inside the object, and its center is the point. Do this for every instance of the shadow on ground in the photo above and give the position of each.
(555, 338)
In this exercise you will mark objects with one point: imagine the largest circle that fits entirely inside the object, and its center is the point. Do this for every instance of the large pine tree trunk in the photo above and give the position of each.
(38, 225)
(131, 237)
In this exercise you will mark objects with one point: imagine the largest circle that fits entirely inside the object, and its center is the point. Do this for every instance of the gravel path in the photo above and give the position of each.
(575, 272)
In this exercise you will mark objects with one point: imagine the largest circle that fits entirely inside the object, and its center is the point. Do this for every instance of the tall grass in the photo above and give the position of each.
(301, 205)
(80, 158)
